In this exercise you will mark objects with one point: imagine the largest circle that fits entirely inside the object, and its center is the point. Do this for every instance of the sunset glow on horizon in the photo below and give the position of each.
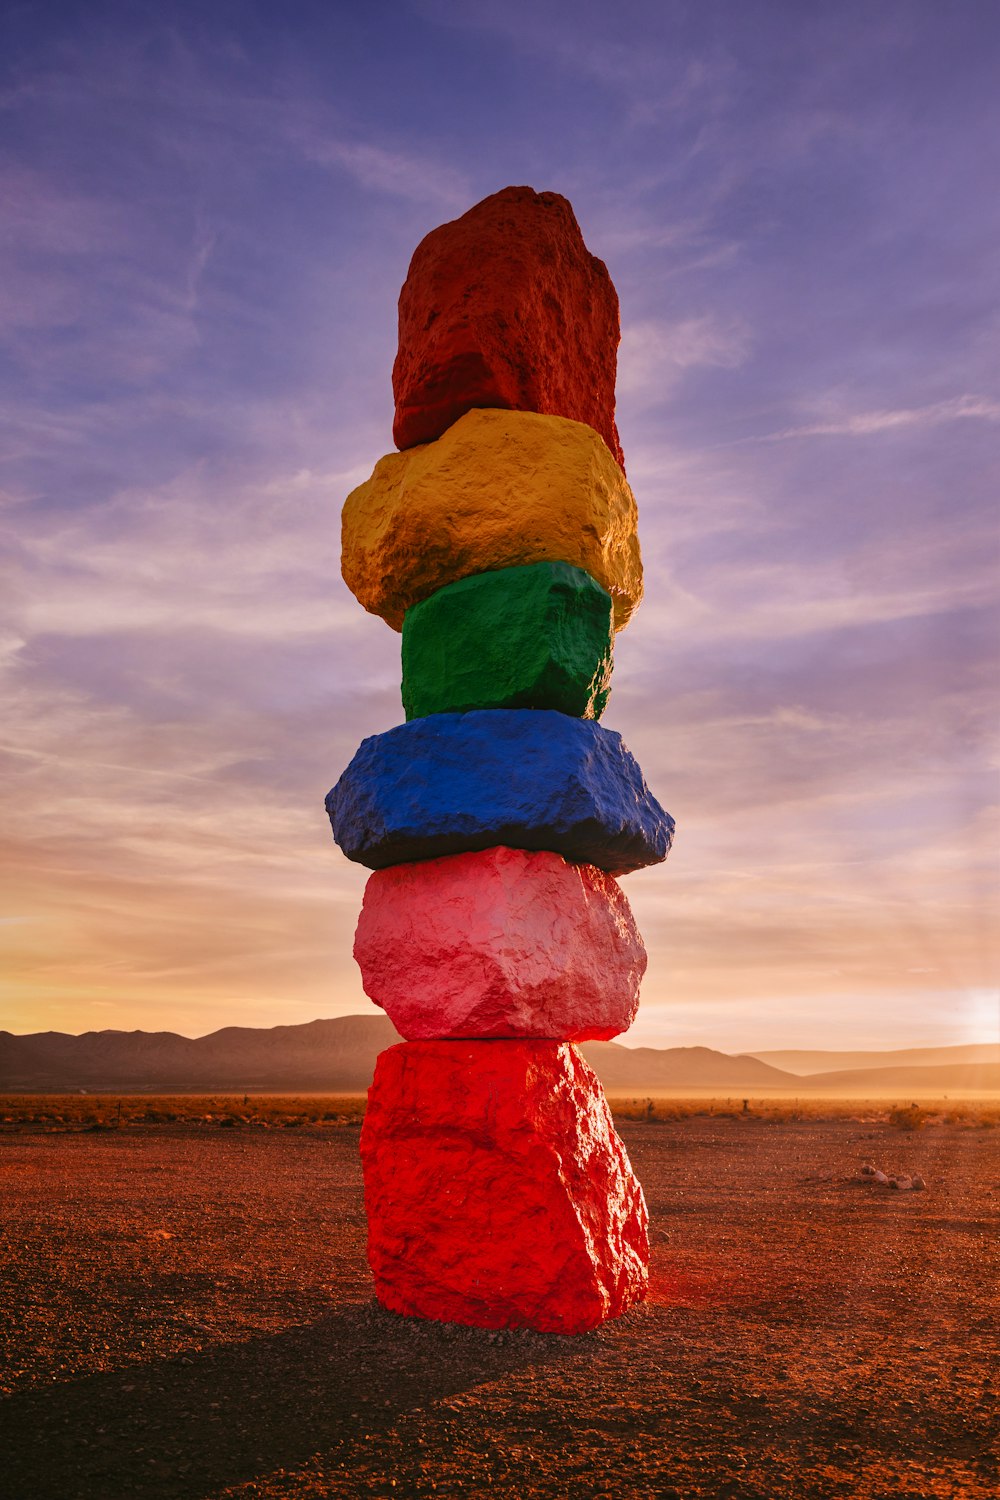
(209, 216)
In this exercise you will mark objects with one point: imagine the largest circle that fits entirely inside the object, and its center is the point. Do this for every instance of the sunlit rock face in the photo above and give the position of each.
(498, 489)
(506, 307)
(497, 1191)
(501, 943)
(531, 779)
(539, 636)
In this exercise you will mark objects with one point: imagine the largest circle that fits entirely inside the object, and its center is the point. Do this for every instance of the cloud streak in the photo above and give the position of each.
(870, 423)
(654, 356)
(396, 173)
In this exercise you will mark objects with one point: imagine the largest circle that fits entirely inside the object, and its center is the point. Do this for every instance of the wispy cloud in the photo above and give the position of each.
(209, 552)
(43, 218)
(868, 423)
(398, 173)
(773, 603)
(655, 354)
(606, 49)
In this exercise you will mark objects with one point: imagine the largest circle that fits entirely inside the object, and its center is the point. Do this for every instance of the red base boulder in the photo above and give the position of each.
(506, 307)
(498, 1193)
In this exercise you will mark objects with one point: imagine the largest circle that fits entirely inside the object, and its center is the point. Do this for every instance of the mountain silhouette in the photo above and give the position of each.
(338, 1056)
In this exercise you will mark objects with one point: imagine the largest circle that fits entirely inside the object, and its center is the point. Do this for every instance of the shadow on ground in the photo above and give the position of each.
(218, 1418)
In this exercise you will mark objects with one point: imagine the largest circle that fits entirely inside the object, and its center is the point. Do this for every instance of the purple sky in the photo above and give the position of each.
(207, 214)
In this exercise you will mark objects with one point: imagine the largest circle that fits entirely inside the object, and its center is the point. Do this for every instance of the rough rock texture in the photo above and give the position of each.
(506, 307)
(500, 488)
(539, 636)
(500, 943)
(528, 778)
(497, 1191)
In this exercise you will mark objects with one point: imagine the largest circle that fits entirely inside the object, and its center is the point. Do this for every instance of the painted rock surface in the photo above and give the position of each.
(528, 778)
(500, 488)
(498, 1193)
(540, 636)
(506, 307)
(500, 943)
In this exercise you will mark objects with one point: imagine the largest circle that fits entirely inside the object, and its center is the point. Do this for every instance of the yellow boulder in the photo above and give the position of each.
(497, 489)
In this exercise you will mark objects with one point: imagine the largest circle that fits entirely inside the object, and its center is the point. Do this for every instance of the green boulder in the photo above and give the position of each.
(538, 636)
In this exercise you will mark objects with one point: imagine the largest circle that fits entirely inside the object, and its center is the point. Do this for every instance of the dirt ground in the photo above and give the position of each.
(186, 1312)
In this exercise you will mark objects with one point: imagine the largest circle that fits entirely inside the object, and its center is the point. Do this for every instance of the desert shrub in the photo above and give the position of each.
(907, 1117)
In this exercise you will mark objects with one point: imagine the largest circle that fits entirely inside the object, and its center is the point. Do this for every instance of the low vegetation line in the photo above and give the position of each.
(108, 1111)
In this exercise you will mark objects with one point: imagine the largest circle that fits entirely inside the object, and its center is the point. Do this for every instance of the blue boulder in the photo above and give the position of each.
(527, 778)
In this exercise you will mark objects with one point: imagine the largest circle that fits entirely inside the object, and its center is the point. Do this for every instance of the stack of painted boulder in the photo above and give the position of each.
(502, 542)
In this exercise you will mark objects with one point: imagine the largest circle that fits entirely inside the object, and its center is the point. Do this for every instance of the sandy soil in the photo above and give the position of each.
(186, 1312)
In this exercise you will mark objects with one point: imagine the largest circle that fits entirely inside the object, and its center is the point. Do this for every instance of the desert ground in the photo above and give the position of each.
(185, 1311)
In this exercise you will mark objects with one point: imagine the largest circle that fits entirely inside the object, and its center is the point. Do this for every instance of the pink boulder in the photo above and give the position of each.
(500, 943)
(498, 1193)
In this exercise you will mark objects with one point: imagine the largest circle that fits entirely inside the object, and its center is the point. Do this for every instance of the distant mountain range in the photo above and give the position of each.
(338, 1056)
(919, 1057)
(668, 1069)
(335, 1056)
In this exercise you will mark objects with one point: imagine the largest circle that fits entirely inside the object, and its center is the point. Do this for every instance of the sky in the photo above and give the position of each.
(206, 214)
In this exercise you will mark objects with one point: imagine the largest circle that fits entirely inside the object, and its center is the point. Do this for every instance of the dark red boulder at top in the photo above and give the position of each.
(497, 1191)
(506, 307)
